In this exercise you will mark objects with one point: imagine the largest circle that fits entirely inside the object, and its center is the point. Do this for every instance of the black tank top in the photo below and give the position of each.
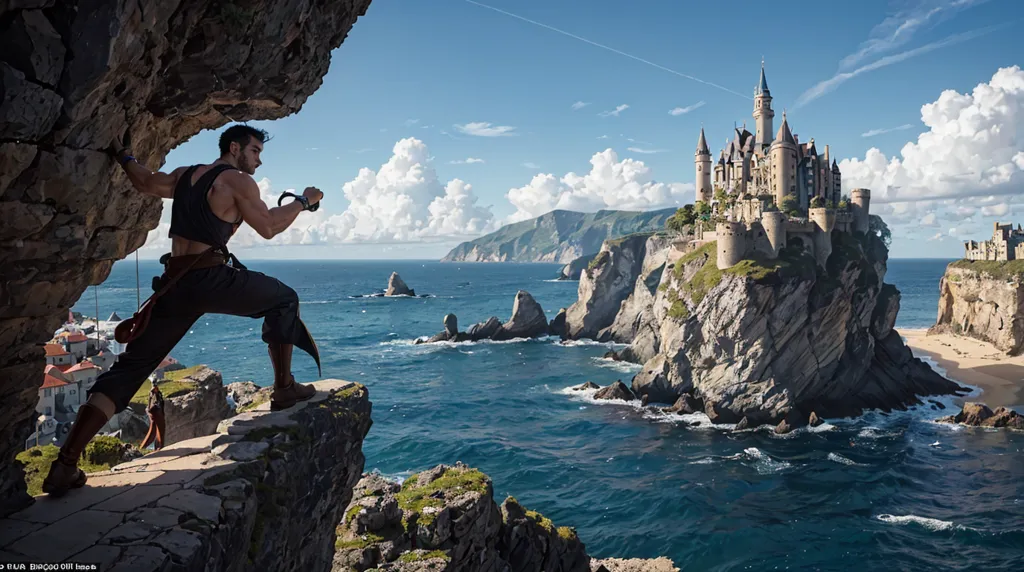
(191, 215)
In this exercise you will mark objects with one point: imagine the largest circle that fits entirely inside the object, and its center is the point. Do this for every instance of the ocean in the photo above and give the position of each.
(879, 492)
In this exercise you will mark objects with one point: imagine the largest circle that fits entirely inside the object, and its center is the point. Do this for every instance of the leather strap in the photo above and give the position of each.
(133, 327)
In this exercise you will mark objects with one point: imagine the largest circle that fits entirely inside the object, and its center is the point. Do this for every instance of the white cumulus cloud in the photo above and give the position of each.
(484, 129)
(466, 161)
(929, 220)
(1001, 209)
(611, 184)
(974, 147)
(579, 105)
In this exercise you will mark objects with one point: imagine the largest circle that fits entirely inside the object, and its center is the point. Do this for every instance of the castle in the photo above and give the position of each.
(1006, 244)
(760, 176)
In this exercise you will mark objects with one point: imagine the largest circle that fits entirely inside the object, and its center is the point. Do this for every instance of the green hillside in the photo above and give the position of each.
(558, 236)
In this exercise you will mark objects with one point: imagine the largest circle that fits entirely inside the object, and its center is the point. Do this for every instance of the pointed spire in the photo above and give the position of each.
(785, 135)
(762, 84)
(702, 144)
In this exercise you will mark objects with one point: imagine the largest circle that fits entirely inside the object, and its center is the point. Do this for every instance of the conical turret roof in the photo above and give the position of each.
(785, 135)
(762, 84)
(702, 144)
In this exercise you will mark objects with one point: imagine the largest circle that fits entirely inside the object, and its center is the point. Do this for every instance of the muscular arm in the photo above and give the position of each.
(267, 222)
(154, 184)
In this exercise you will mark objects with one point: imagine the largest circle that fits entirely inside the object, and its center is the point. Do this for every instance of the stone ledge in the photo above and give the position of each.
(205, 503)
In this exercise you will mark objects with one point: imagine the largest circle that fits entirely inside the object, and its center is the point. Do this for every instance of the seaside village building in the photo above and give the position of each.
(1006, 244)
(762, 173)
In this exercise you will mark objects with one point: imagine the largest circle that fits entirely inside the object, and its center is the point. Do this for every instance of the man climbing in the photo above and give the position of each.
(209, 204)
(157, 421)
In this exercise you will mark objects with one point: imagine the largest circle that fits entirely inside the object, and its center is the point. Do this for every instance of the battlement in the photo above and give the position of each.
(1006, 244)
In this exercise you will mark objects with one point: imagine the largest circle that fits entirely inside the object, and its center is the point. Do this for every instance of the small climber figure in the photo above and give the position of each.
(157, 422)
(209, 203)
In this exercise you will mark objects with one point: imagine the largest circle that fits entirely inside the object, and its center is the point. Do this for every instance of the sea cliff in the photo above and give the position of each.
(984, 300)
(558, 236)
(771, 341)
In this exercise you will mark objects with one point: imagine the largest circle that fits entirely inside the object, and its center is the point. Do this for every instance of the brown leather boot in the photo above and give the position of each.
(64, 472)
(286, 392)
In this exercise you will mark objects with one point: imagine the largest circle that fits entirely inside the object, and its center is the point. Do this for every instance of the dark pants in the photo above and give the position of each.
(215, 290)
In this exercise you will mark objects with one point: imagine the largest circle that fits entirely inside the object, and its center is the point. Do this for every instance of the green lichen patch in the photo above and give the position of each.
(418, 556)
(541, 520)
(358, 542)
(567, 533)
(999, 270)
(37, 462)
(168, 388)
(453, 482)
(599, 260)
(260, 399)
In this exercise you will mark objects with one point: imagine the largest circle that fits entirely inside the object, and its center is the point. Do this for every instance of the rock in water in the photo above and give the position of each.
(484, 330)
(813, 420)
(397, 287)
(616, 390)
(979, 415)
(587, 385)
(759, 340)
(984, 300)
(527, 321)
(607, 281)
(557, 325)
(633, 565)
(451, 325)
(685, 405)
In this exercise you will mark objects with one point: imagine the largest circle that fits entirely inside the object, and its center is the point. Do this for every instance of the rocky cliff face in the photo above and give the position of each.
(984, 300)
(262, 492)
(775, 340)
(445, 518)
(187, 416)
(607, 281)
(75, 73)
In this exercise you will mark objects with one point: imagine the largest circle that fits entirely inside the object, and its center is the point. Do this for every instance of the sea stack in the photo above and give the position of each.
(397, 287)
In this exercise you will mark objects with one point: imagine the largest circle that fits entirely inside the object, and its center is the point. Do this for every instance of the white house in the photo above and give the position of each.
(57, 355)
(83, 373)
(53, 385)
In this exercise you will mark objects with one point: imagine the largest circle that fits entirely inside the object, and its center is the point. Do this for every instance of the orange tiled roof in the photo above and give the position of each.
(80, 366)
(50, 381)
(53, 350)
(77, 337)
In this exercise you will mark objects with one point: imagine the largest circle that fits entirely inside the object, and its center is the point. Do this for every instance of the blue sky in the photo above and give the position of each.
(469, 82)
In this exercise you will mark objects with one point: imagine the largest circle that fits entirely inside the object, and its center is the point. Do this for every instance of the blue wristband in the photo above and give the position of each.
(124, 160)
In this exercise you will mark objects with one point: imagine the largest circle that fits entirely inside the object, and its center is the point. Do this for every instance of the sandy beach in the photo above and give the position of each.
(974, 362)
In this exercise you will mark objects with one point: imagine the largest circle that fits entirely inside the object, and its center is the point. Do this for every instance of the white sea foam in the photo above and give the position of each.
(581, 343)
(929, 523)
(317, 301)
(620, 366)
(559, 280)
(763, 462)
(446, 344)
(837, 458)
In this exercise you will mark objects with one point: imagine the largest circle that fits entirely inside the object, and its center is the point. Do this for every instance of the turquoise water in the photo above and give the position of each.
(892, 492)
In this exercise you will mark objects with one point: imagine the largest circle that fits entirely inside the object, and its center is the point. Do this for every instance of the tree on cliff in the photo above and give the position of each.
(684, 218)
(878, 226)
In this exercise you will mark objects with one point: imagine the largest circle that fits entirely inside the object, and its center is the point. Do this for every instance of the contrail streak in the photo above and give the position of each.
(604, 47)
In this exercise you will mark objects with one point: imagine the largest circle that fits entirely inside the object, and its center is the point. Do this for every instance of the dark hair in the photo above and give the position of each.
(240, 134)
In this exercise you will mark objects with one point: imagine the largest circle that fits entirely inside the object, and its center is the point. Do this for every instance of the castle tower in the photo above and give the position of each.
(774, 223)
(860, 203)
(763, 112)
(783, 154)
(732, 243)
(824, 221)
(837, 183)
(702, 158)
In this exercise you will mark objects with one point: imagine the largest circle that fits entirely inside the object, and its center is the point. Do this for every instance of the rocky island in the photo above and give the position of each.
(770, 307)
